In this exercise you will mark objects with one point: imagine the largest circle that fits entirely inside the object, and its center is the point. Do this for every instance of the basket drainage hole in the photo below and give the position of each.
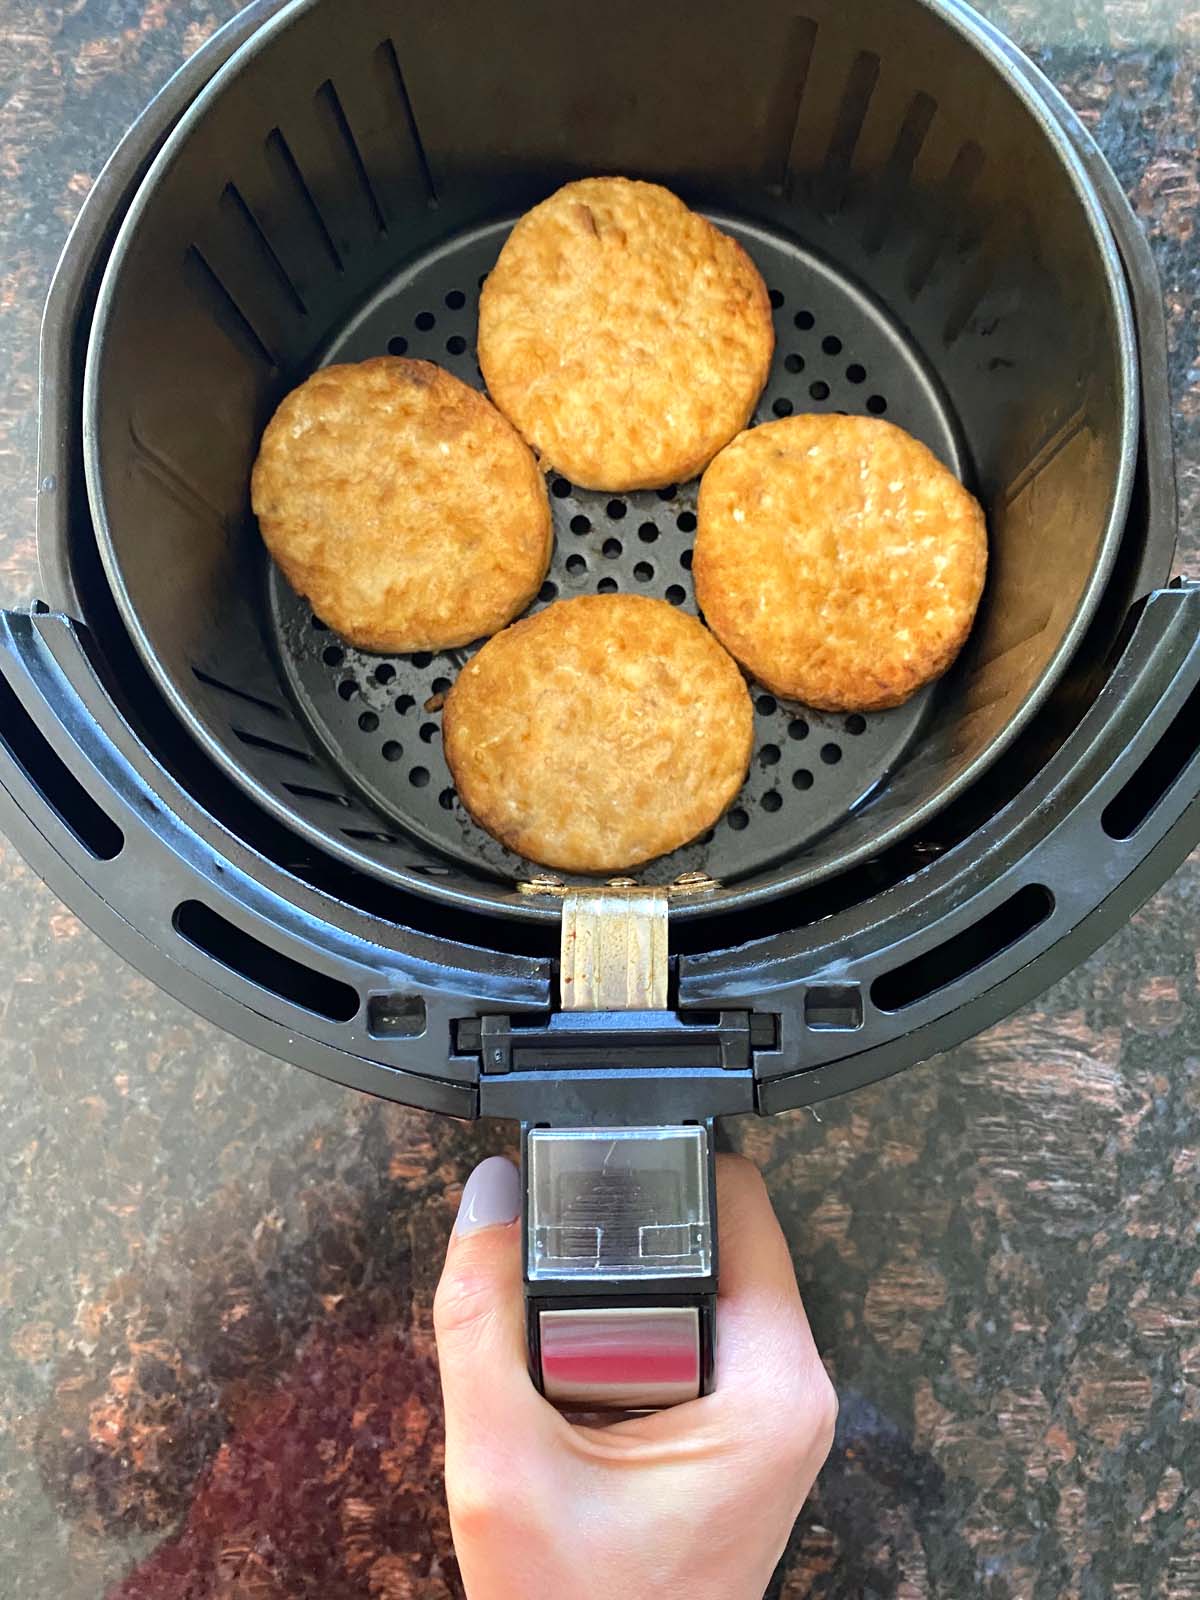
(428, 732)
(580, 525)
(648, 532)
(668, 491)
(769, 755)
(368, 722)
(876, 405)
(446, 799)
(609, 586)
(318, 625)
(856, 724)
(422, 659)
(332, 656)
(560, 488)
(456, 300)
(348, 688)
(398, 346)
(793, 363)
(685, 560)
(419, 777)
(456, 344)
(804, 320)
(782, 407)
(385, 672)
(576, 564)
(766, 705)
(616, 509)
(392, 751)
(676, 595)
(856, 373)
(548, 591)
(424, 320)
(830, 754)
(775, 297)
(738, 819)
(686, 522)
(772, 800)
(612, 548)
(404, 704)
(797, 728)
(820, 391)
(831, 345)
(802, 778)
(643, 572)
(440, 686)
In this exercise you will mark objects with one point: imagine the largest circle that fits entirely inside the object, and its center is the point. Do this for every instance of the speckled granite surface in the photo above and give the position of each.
(215, 1271)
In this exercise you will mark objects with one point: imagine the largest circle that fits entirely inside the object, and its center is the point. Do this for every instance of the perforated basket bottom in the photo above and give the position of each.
(379, 716)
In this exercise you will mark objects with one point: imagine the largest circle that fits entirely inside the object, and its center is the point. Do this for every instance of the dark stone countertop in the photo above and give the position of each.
(212, 1266)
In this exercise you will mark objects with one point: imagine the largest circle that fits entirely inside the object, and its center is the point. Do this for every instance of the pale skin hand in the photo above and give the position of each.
(693, 1503)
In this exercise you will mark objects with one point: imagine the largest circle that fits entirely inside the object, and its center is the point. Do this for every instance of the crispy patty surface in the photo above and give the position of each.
(599, 733)
(402, 505)
(624, 335)
(838, 560)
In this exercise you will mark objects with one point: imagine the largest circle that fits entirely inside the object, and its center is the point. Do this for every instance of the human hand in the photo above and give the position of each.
(692, 1503)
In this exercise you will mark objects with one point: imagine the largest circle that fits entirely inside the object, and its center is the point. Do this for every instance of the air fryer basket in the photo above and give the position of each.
(341, 188)
(270, 922)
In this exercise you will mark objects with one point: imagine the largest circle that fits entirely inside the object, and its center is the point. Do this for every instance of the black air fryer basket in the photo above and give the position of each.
(261, 817)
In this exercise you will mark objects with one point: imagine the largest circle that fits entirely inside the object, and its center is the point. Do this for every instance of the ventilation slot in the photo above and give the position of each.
(238, 951)
(286, 171)
(396, 1016)
(304, 791)
(224, 309)
(59, 788)
(897, 180)
(393, 76)
(785, 106)
(234, 202)
(860, 86)
(964, 170)
(968, 950)
(257, 742)
(331, 106)
(238, 694)
(1129, 808)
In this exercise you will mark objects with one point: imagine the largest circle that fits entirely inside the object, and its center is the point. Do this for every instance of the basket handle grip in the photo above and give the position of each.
(619, 1240)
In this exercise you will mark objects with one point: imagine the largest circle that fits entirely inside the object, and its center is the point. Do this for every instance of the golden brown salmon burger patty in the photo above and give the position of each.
(838, 560)
(625, 336)
(402, 506)
(600, 733)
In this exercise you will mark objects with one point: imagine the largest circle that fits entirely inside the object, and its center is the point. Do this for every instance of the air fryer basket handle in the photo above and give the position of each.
(619, 1249)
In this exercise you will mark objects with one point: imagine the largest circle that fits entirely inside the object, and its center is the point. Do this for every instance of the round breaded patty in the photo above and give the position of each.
(625, 336)
(838, 560)
(600, 733)
(402, 505)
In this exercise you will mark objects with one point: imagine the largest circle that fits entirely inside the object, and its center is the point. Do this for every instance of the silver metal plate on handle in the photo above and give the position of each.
(614, 950)
(628, 1358)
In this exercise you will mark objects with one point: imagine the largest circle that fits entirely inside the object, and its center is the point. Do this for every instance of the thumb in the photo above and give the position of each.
(479, 1316)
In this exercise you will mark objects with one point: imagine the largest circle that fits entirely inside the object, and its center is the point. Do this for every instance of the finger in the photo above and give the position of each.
(770, 1386)
(763, 1336)
(479, 1319)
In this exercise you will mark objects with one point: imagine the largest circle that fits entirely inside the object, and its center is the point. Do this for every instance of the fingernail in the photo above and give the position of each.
(491, 1196)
